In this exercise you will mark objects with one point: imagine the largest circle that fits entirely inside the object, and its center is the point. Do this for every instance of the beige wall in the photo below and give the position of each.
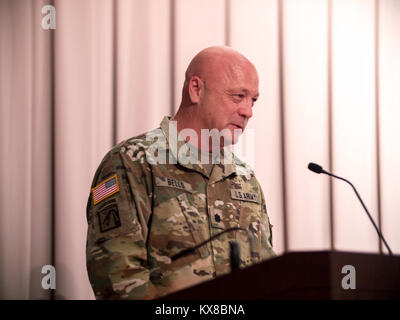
(329, 75)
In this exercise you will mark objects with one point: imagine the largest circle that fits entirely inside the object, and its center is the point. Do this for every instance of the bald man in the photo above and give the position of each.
(160, 193)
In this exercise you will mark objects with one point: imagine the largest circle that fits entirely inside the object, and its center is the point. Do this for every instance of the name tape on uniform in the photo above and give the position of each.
(244, 196)
(173, 183)
(105, 189)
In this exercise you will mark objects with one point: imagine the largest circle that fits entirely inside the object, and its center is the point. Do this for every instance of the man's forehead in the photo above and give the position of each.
(235, 75)
(243, 77)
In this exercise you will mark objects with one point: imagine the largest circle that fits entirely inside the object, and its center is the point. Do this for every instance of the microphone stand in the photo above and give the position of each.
(318, 169)
(234, 253)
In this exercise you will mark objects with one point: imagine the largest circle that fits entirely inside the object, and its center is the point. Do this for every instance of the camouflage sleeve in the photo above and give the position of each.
(118, 211)
(266, 231)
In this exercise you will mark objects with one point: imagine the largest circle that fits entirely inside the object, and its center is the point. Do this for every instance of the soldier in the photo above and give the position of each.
(159, 193)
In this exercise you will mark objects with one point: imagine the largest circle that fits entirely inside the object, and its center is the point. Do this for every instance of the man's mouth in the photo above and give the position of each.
(236, 126)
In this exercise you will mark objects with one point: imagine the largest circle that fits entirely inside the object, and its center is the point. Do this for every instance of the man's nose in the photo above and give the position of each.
(246, 110)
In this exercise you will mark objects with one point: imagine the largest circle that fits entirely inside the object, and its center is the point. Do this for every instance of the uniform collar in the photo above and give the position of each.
(177, 145)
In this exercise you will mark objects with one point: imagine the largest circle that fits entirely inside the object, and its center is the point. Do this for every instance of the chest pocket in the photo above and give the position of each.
(241, 209)
(177, 223)
(197, 222)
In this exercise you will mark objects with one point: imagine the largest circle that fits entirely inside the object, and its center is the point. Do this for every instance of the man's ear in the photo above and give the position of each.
(196, 87)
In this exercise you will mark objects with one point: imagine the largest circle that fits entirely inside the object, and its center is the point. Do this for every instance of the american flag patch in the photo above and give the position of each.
(105, 189)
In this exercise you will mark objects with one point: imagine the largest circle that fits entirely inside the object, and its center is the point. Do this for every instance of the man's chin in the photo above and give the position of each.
(236, 135)
(232, 137)
(225, 137)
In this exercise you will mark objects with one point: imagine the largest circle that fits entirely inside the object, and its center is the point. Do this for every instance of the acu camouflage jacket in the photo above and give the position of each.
(140, 213)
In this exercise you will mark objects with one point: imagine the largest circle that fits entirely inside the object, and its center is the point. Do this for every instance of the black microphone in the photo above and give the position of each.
(315, 168)
(318, 169)
(234, 253)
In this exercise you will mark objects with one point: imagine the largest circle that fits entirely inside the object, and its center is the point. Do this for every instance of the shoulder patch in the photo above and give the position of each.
(109, 218)
(105, 189)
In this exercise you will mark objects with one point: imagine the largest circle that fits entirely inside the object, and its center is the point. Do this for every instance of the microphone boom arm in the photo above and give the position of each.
(192, 249)
(318, 169)
(365, 208)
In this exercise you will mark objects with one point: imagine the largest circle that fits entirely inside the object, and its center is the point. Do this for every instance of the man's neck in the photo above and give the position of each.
(185, 119)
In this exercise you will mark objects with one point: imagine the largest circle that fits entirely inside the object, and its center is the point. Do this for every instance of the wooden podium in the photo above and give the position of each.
(304, 275)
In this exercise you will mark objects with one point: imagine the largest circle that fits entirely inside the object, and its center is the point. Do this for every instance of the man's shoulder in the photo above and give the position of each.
(136, 147)
(142, 141)
(242, 168)
(133, 149)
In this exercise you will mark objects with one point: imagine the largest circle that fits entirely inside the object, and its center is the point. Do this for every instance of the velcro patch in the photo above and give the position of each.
(244, 196)
(105, 189)
(109, 218)
(173, 183)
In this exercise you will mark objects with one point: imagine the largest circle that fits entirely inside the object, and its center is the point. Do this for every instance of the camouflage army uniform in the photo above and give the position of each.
(158, 210)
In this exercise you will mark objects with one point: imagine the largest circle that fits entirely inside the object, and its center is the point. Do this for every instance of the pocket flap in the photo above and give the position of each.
(194, 221)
